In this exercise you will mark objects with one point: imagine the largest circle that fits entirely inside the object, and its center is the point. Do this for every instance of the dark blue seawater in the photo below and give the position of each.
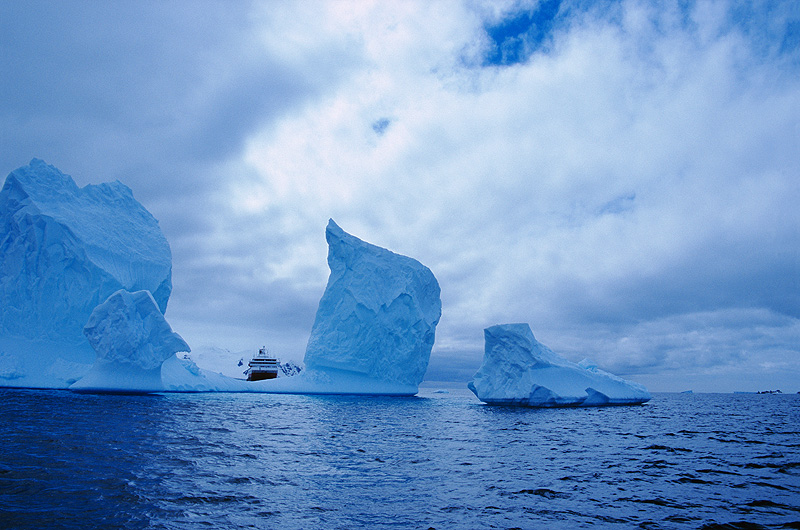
(433, 461)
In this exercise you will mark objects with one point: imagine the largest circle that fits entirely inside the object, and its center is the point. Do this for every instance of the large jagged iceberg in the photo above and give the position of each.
(519, 370)
(375, 325)
(132, 340)
(63, 251)
(378, 314)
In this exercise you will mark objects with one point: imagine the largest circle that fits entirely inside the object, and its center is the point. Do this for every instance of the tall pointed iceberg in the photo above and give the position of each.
(375, 325)
(378, 314)
(63, 251)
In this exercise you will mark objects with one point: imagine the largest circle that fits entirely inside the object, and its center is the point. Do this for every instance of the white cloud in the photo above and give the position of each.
(498, 178)
(640, 170)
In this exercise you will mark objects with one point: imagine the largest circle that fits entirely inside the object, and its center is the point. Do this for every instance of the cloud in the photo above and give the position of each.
(735, 349)
(627, 174)
(164, 97)
(156, 91)
(616, 174)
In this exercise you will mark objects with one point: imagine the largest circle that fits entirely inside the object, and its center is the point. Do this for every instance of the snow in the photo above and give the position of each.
(220, 360)
(132, 340)
(234, 363)
(63, 251)
(32, 363)
(519, 370)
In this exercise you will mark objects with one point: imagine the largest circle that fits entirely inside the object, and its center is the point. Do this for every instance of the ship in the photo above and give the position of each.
(262, 366)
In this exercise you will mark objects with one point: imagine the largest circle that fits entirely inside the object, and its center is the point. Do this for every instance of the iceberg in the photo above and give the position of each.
(375, 324)
(63, 251)
(519, 370)
(377, 317)
(132, 340)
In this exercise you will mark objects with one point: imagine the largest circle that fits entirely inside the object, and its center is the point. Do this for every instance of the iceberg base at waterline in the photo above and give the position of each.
(182, 375)
(177, 374)
(519, 370)
(42, 363)
(137, 352)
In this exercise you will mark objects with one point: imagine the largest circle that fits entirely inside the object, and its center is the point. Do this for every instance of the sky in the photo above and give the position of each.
(622, 175)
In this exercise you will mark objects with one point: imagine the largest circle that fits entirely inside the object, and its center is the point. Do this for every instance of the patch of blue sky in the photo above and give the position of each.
(514, 39)
(618, 205)
(791, 39)
(771, 26)
(379, 126)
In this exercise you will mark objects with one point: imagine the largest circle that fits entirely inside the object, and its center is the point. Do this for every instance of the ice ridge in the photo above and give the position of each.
(132, 340)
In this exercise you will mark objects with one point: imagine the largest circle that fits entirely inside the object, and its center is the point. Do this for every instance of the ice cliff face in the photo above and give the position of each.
(377, 317)
(65, 249)
(519, 370)
(132, 340)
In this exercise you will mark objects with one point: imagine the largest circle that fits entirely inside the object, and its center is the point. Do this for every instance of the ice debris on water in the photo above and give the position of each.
(519, 370)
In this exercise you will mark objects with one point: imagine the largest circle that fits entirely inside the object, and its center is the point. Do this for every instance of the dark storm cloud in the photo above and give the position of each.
(163, 96)
(137, 90)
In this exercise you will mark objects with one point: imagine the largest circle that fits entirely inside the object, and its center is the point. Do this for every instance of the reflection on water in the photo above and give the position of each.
(439, 460)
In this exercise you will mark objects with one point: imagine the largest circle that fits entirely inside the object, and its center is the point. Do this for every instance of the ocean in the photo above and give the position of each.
(438, 460)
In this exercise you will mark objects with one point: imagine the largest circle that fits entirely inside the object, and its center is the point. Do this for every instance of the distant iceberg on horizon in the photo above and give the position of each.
(519, 370)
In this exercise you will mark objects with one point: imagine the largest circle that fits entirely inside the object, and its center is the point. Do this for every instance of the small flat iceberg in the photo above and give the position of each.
(519, 370)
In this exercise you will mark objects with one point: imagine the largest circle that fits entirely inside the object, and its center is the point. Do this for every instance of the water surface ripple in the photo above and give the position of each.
(182, 461)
